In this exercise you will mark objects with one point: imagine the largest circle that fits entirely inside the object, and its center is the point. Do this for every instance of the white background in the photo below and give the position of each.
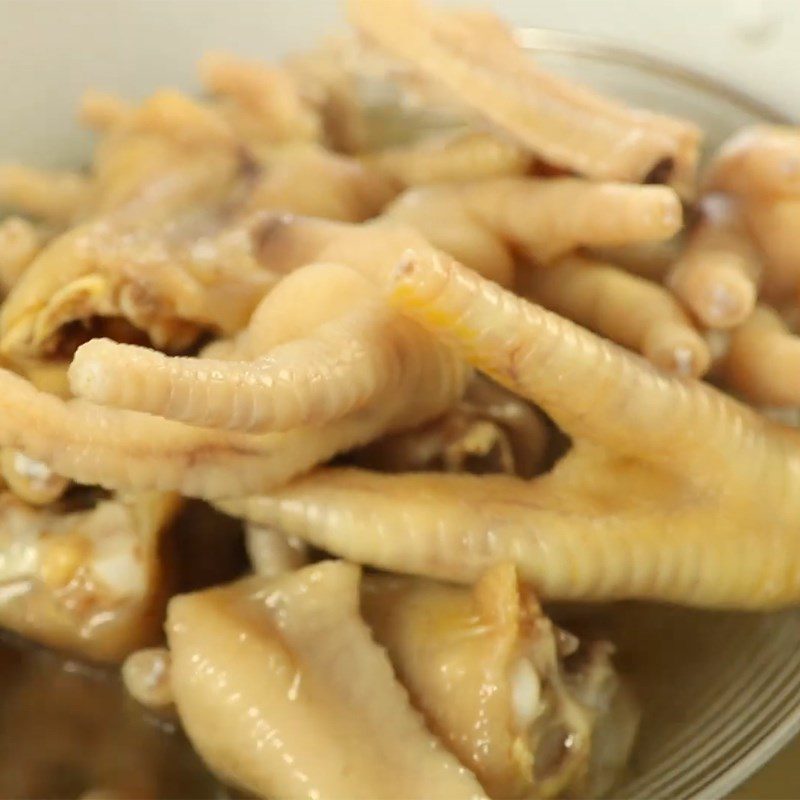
(51, 49)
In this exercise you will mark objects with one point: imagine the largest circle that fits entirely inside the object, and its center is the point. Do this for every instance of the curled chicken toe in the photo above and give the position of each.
(495, 219)
(342, 362)
(705, 477)
(413, 379)
(490, 672)
(283, 692)
(718, 275)
(88, 581)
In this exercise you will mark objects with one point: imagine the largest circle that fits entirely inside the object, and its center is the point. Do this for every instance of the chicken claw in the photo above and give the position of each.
(762, 362)
(717, 277)
(341, 363)
(452, 158)
(50, 196)
(705, 478)
(763, 160)
(404, 379)
(759, 168)
(261, 103)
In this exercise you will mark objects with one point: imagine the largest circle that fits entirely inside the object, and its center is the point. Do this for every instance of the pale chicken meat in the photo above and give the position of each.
(492, 675)
(88, 581)
(284, 693)
(515, 699)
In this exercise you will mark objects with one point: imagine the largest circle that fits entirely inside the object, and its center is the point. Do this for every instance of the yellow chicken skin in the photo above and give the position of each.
(88, 581)
(475, 57)
(284, 693)
(495, 680)
(705, 478)
(391, 375)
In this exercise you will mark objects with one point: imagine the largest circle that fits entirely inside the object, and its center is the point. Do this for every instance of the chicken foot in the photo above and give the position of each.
(705, 478)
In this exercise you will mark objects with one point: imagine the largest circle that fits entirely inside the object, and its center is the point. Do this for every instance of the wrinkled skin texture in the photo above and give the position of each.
(114, 447)
(170, 241)
(486, 667)
(343, 362)
(284, 370)
(495, 218)
(705, 478)
(284, 693)
(91, 582)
